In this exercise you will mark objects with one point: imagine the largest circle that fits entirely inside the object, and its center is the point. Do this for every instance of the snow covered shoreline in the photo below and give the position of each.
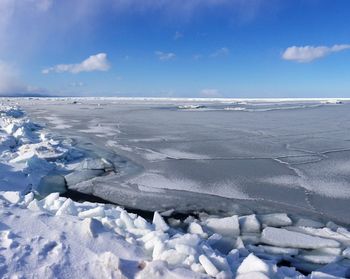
(58, 238)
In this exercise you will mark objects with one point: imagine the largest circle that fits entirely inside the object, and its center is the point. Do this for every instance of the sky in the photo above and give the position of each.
(175, 48)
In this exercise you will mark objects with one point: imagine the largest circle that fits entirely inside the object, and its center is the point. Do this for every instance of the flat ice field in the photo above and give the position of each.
(291, 155)
(264, 185)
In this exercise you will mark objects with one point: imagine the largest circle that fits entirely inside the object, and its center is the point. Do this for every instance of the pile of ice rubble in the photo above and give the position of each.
(33, 159)
(253, 246)
(56, 237)
(28, 152)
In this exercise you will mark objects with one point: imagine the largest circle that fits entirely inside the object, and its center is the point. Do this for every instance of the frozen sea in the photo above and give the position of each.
(214, 155)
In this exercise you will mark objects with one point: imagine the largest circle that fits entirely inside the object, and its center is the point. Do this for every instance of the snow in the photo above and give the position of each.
(50, 236)
(154, 250)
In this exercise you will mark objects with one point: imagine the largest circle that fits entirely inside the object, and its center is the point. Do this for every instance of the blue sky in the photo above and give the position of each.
(177, 48)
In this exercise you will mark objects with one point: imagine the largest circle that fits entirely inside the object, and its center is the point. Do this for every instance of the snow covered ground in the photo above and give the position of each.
(55, 237)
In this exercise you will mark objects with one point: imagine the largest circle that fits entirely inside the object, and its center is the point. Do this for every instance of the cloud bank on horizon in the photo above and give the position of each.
(239, 47)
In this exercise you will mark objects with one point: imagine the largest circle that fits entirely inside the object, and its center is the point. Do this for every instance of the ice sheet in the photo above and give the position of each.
(293, 152)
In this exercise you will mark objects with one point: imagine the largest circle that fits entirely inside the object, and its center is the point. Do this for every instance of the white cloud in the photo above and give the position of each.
(306, 54)
(165, 56)
(178, 35)
(224, 51)
(210, 93)
(98, 62)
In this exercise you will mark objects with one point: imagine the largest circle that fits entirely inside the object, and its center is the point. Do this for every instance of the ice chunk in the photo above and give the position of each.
(12, 197)
(95, 164)
(91, 213)
(174, 222)
(253, 275)
(197, 267)
(318, 257)
(28, 198)
(141, 223)
(34, 205)
(185, 249)
(285, 238)
(228, 226)
(250, 238)
(333, 226)
(275, 220)
(186, 239)
(304, 222)
(81, 175)
(208, 266)
(158, 249)
(50, 184)
(321, 275)
(279, 250)
(129, 223)
(167, 213)
(344, 232)
(172, 257)
(249, 224)
(346, 253)
(67, 208)
(159, 222)
(324, 232)
(196, 229)
(35, 163)
(330, 251)
(222, 243)
(50, 199)
(253, 264)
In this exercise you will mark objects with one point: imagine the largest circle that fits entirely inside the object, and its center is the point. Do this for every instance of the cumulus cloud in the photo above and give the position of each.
(224, 51)
(98, 62)
(306, 54)
(165, 56)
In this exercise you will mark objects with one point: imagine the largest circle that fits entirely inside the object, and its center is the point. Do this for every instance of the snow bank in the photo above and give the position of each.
(192, 249)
